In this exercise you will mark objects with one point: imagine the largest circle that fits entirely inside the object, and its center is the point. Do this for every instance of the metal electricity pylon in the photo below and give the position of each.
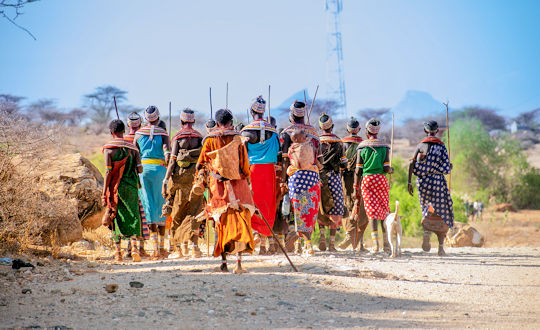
(335, 81)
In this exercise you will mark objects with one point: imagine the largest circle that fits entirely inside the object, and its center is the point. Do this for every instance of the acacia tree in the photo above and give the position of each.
(101, 103)
(10, 104)
(488, 117)
(48, 113)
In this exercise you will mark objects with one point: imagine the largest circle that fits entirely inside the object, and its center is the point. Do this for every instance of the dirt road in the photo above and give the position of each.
(476, 287)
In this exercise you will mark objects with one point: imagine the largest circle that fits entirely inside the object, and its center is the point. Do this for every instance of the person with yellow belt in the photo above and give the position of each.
(154, 145)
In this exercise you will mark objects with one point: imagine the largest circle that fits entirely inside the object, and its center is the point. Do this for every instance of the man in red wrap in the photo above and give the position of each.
(263, 148)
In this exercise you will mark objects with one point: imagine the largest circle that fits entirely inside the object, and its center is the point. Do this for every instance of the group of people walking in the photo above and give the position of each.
(260, 187)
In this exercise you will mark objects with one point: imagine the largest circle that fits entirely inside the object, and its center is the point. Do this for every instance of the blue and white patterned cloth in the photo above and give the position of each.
(336, 189)
(432, 188)
(305, 193)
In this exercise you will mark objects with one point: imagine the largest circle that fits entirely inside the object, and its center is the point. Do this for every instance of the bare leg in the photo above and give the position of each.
(441, 243)
(223, 266)
(386, 238)
(426, 246)
(154, 239)
(162, 252)
(374, 235)
(322, 238)
(238, 268)
(195, 251)
(331, 246)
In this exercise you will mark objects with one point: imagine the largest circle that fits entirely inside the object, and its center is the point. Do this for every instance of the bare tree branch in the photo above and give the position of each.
(15, 7)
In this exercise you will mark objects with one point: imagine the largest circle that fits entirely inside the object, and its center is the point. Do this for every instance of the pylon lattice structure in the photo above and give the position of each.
(335, 81)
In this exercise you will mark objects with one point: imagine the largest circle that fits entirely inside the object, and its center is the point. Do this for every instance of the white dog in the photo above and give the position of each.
(393, 228)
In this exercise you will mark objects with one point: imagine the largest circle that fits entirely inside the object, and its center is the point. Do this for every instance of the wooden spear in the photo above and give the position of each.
(170, 121)
(115, 107)
(211, 112)
(275, 238)
(391, 149)
(448, 137)
(312, 102)
(269, 121)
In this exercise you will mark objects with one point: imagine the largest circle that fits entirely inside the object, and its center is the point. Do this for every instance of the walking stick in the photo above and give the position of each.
(115, 107)
(391, 150)
(170, 122)
(211, 114)
(448, 137)
(276, 239)
(269, 105)
(312, 102)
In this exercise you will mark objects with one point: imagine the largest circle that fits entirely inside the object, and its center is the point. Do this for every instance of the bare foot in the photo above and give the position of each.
(222, 269)
(425, 244)
(175, 255)
(118, 256)
(135, 257)
(143, 253)
(155, 255)
(441, 252)
(239, 270)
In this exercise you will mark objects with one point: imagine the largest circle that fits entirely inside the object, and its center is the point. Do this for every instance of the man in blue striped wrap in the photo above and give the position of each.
(430, 163)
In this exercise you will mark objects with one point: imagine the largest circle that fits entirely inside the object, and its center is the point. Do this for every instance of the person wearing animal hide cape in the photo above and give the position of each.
(430, 163)
(179, 203)
(225, 158)
(263, 148)
(333, 160)
(372, 165)
(120, 190)
(355, 219)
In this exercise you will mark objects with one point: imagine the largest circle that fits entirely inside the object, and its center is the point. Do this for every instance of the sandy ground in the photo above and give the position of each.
(471, 287)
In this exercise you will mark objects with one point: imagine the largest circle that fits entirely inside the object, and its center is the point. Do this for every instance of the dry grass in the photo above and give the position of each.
(101, 235)
(27, 216)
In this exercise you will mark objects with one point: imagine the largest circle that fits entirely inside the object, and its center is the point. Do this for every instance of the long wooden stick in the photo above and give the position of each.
(115, 107)
(305, 100)
(170, 120)
(391, 149)
(276, 239)
(211, 112)
(448, 137)
(227, 97)
(269, 121)
(312, 102)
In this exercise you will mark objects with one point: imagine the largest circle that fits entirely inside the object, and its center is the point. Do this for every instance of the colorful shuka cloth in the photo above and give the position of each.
(332, 159)
(432, 188)
(145, 230)
(150, 142)
(121, 195)
(371, 158)
(262, 159)
(231, 203)
(305, 194)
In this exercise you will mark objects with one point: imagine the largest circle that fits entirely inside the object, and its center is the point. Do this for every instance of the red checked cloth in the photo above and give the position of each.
(375, 194)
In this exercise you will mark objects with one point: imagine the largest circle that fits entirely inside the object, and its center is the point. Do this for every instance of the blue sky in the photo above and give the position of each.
(470, 52)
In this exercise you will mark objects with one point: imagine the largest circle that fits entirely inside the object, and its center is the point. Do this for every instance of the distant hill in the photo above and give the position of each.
(417, 104)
